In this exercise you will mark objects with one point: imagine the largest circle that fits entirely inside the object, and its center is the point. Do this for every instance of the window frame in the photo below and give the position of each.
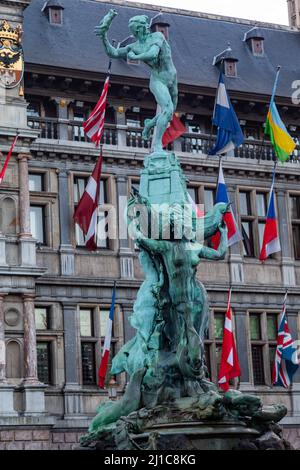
(43, 206)
(263, 342)
(293, 222)
(106, 208)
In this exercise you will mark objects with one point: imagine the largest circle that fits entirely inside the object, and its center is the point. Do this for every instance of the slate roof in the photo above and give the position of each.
(195, 42)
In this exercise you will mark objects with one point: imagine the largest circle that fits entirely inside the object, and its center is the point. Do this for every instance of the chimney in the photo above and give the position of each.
(294, 13)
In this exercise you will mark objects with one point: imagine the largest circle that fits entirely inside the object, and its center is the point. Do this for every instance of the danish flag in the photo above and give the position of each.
(86, 213)
(107, 342)
(229, 367)
(286, 361)
(94, 126)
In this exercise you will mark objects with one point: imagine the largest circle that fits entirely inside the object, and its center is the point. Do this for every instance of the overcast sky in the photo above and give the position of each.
(272, 11)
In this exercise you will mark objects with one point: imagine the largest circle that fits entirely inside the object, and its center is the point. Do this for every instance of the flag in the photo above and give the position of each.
(286, 361)
(175, 130)
(281, 140)
(86, 213)
(271, 242)
(107, 342)
(94, 126)
(196, 207)
(234, 234)
(2, 173)
(229, 367)
(229, 134)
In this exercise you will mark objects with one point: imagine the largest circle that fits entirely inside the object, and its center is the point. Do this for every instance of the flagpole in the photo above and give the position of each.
(271, 102)
(97, 222)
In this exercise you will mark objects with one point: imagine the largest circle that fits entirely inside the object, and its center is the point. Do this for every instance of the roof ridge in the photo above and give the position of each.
(198, 14)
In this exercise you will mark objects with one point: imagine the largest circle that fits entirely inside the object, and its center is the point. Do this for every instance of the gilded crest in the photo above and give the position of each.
(11, 55)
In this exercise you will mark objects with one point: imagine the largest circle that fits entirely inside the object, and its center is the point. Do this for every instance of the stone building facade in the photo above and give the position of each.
(55, 295)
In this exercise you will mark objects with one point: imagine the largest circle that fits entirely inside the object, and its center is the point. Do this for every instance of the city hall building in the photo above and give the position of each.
(55, 294)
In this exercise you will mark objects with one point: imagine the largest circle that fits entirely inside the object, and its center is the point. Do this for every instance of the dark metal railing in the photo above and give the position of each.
(52, 128)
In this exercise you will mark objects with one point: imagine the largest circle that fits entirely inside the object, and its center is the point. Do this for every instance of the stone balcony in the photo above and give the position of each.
(116, 136)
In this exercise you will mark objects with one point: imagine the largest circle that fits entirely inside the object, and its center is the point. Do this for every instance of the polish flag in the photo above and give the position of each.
(86, 213)
(173, 132)
(107, 342)
(234, 234)
(229, 367)
(271, 241)
(94, 126)
(2, 173)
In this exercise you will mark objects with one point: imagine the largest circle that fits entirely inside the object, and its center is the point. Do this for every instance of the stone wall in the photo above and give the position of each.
(39, 439)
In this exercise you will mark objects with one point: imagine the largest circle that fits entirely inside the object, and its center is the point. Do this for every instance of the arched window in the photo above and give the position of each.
(8, 216)
(13, 360)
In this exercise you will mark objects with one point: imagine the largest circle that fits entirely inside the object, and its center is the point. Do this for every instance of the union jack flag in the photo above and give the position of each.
(286, 361)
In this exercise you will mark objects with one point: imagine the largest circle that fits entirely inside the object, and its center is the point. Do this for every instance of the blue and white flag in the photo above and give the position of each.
(286, 359)
(230, 134)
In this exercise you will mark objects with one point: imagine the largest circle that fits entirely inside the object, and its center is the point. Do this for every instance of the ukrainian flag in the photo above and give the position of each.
(282, 141)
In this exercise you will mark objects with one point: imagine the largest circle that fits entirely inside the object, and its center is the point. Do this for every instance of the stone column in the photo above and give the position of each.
(30, 354)
(34, 391)
(2, 342)
(288, 266)
(72, 391)
(236, 259)
(242, 347)
(67, 258)
(27, 243)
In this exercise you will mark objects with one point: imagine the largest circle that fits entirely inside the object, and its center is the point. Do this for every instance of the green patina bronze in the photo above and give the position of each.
(155, 51)
(165, 360)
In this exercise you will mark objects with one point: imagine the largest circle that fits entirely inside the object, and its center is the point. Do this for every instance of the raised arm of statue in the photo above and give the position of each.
(102, 30)
(209, 253)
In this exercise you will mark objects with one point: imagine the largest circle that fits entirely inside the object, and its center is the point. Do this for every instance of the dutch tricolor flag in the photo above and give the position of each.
(230, 134)
(107, 342)
(234, 234)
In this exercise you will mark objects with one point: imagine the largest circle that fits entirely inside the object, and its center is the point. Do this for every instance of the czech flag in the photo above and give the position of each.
(230, 366)
(230, 134)
(106, 348)
(271, 242)
(234, 234)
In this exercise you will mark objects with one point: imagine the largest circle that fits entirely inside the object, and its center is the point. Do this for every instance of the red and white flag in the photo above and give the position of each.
(271, 241)
(86, 213)
(94, 126)
(175, 130)
(107, 342)
(229, 367)
(2, 173)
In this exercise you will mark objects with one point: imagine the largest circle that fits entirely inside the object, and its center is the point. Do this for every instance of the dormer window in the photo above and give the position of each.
(257, 47)
(255, 40)
(159, 24)
(227, 62)
(55, 16)
(230, 68)
(54, 11)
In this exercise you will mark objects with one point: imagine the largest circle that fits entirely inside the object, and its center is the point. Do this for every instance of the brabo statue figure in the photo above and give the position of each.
(169, 388)
(154, 50)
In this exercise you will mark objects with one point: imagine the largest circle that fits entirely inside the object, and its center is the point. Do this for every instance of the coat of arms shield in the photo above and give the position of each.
(11, 55)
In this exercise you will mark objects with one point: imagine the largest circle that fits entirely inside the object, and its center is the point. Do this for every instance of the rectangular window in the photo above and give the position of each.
(88, 363)
(102, 239)
(37, 223)
(213, 344)
(44, 362)
(36, 182)
(41, 318)
(55, 16)
(295, 219)
(263, 341)
(86, 322)
(209, 199)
